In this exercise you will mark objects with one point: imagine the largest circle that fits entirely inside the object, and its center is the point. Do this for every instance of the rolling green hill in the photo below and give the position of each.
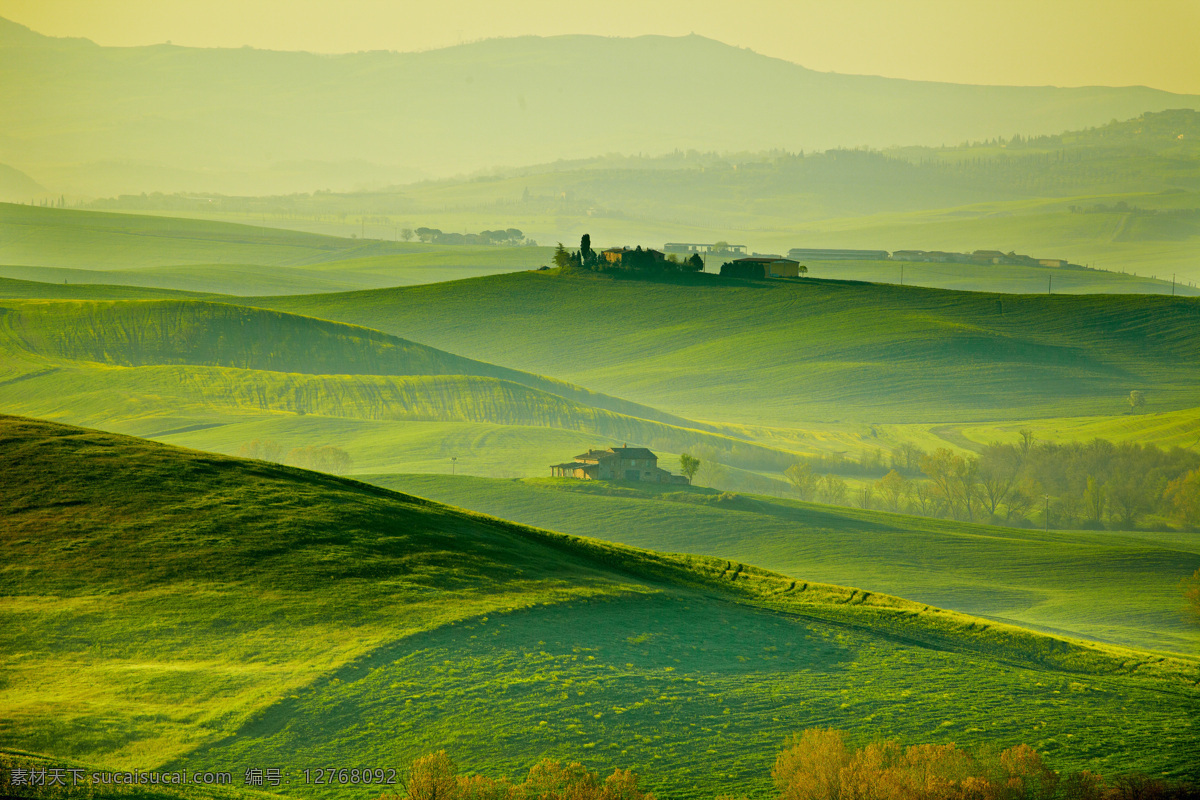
(201, 333)
(785, 352)
(1125, 590)
(164, 252)
(173, 608)
(1164, 429)
(231, 375)
(16, 289)
(1123, 197)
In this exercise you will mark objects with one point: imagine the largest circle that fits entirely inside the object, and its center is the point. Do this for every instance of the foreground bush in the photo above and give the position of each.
(435, 777)
(818, 765)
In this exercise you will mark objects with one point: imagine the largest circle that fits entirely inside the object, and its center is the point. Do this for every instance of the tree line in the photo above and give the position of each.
(507, 236)
(635, 260)
(819, 764)
(1092, 485)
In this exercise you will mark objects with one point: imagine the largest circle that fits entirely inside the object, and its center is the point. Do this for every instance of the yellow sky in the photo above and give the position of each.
(1026, 42)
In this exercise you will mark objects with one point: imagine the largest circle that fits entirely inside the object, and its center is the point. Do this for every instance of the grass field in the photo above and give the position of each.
(1162, 428)
(1125, 589)
(162, 252)
(997, 278)
(284, 616)
(20, 289)
(219, 376)
(788, 352)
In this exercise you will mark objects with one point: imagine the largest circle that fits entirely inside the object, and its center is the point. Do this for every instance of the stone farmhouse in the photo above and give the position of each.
(616, 464)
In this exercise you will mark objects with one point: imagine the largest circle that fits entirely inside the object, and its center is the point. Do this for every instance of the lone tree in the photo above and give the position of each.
(695, 263)
(801, 478)
(689, 465)
(1137, 400)
(586, 255)
(561, 257)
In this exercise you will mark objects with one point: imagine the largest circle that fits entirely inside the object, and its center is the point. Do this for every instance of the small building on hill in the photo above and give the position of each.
(613, 255)
(616, 464)
(688, 248)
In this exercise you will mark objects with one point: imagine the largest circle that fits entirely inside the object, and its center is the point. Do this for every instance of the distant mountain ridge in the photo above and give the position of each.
(109, 120)
(15, 185)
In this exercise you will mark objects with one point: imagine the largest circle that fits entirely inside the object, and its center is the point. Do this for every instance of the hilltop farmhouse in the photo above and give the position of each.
(616, 464)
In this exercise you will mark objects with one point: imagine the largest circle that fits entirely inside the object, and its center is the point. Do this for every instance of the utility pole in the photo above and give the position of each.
(452, 460)
(1049, 284)
(1046, 513)
(1172, 284)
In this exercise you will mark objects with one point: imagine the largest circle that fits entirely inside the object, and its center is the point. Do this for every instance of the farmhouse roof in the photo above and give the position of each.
(633, 452)
(622, 452)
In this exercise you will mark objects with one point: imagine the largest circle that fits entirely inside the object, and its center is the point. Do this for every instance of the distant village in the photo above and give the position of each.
(799, 254)
(736, 262)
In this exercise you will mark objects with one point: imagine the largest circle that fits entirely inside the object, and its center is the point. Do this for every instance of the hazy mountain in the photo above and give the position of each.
(16, 186)
(203, 115)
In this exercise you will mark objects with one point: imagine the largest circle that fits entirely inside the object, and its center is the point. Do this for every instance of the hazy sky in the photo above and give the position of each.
(1028, 42)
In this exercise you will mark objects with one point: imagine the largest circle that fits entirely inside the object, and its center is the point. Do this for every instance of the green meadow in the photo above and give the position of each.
(787, 352)
(1162, 428)
(172, 607)
(273, 475)
(220, 376)
(66, 246)
(1128, 594)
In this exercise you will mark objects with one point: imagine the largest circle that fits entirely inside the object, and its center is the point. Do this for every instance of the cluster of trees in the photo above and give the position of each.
(818, 765)
(635, 260)
(327, 458)
(1090, 485)
(435, 777)
(509, 236)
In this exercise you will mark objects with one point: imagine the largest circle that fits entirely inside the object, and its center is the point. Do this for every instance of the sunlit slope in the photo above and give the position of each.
(100, 240)
(1122, 588)
(166, 399)
(214, 334)
(780, 352)
(160, 369)
(15, 288)
(1162, 428)
(198, 278)
(293, 617)
(250, 581)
